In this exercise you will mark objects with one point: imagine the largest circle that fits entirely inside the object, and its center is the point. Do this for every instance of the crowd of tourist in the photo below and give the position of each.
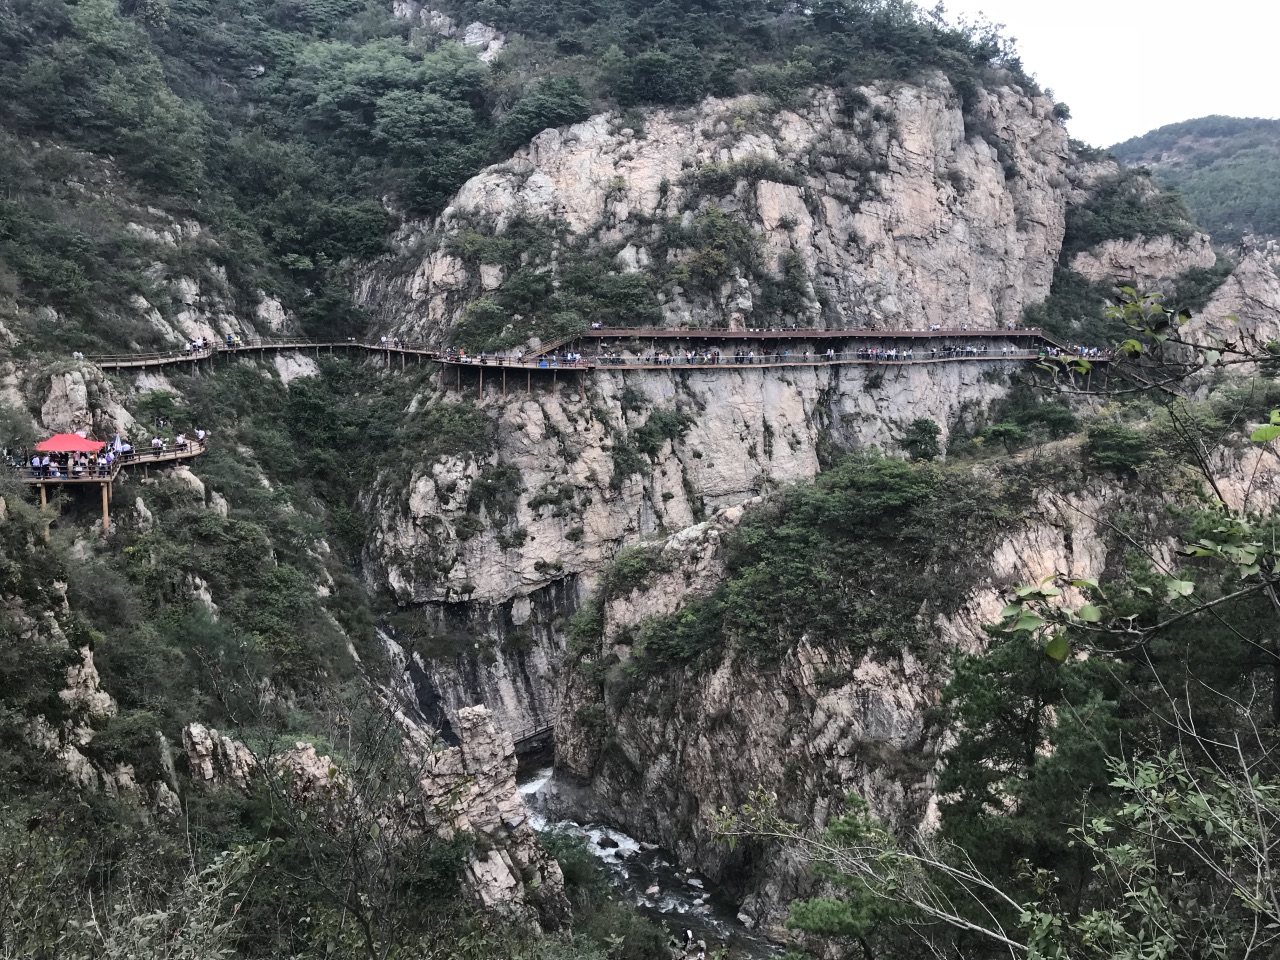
(517, 358)
(940, 348)
(103, 464)
(865, 353)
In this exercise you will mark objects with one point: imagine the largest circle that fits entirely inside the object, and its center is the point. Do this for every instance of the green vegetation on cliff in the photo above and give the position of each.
(823, 561)
(296, 136)
(1125, 206)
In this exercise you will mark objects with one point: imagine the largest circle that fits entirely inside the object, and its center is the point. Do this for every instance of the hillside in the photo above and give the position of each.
(733, 396)
(257, 150)
(1226, 168)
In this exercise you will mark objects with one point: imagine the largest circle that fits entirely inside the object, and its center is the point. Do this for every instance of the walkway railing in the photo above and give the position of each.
(91, 474)
(545, 358)
(608, 362)
(261, 345)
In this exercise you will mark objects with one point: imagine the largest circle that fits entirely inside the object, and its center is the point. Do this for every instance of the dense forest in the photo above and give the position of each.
(1227, 169)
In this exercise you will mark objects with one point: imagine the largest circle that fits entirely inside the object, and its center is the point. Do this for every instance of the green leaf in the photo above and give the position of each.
(1180, 588)
(1057, 648)
(1265, 434)
(1011, 611)
(1028, 621)
(1089, 613)
(1085, 582)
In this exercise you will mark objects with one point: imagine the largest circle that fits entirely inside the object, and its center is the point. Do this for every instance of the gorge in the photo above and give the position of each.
(759, 408)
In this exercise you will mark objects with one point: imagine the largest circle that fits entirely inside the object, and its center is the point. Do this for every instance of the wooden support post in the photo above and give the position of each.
(528, 382)
(459, 377)
(44, 503)
(504, 382)
(106, 513)
(554, 374)
(582, 386)
(480, 395)
(402, 362)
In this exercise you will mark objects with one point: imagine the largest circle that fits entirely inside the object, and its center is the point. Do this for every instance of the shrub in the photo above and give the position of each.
(662, 426)
(631, 570)
(553, 102)
(627, 462)
(1117, 447)
(1123, 207)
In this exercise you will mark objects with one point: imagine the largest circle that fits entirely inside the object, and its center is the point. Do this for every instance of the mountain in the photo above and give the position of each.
(880, 545)
(1226, 168)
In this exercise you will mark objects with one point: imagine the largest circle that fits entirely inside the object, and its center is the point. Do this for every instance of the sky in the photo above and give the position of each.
(1128, 66)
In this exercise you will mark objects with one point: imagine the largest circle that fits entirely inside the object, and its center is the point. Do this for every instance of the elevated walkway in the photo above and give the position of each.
(772, 348)
(133, 361)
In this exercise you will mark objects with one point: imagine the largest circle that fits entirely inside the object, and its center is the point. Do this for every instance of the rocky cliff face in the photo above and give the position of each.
(596, 476)
(902, 210)
(1145, 263)
(1251, 297)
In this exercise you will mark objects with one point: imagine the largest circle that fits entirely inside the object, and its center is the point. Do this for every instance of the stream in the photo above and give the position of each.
(647, 876)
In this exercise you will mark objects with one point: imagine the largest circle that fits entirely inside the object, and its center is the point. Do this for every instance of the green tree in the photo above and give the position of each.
(921, 439)
(551, 103)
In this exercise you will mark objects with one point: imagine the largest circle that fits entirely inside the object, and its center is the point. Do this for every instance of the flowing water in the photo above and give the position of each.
(648, 877)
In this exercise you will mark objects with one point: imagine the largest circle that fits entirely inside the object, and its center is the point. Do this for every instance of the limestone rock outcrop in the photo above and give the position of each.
(473, 789)
(487, 41)
(1149, 264)
(84, 688)
(469, 788)
(215, 761)
(903, 211)
(81, 399)
(1250, 295)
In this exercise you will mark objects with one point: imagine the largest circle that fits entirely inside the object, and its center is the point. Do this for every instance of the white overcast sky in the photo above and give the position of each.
(1128, 66)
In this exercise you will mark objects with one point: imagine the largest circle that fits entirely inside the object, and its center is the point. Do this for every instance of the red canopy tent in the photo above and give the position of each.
(69, 443)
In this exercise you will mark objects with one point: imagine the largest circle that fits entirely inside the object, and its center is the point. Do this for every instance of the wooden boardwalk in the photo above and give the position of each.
(138, 361)
(1023, 345)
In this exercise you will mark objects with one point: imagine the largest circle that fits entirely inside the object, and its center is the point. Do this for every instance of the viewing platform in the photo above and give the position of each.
(94, 473)
(194, 449)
